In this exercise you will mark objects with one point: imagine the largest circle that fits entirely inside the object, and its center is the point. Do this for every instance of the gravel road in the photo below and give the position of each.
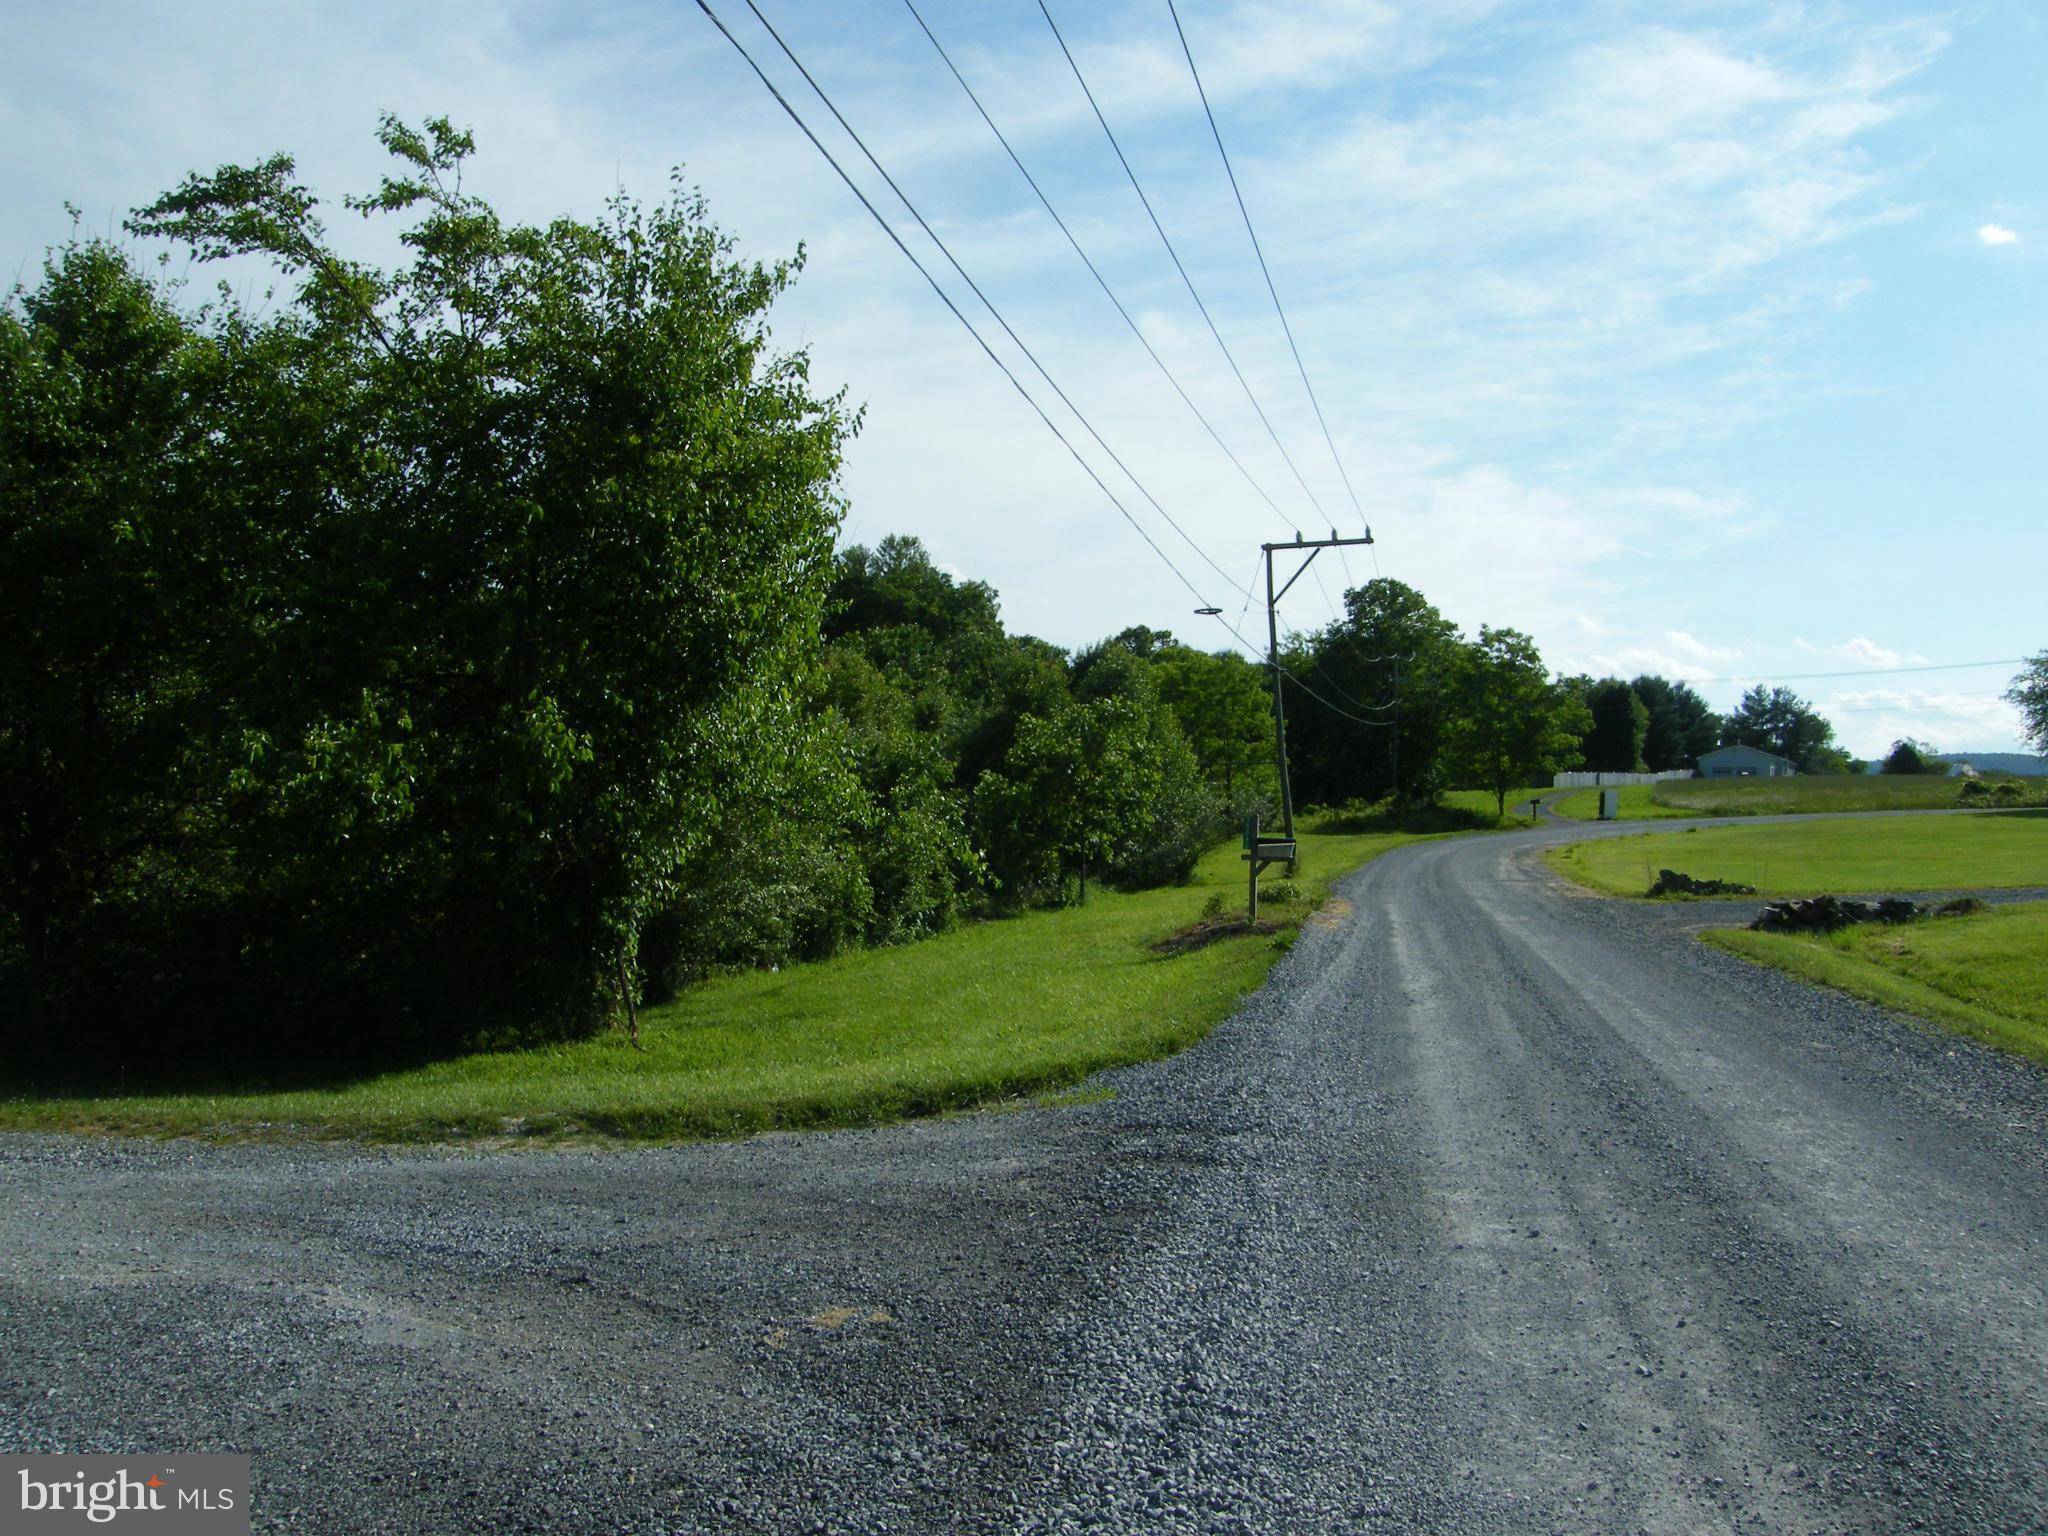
(1501, 1209)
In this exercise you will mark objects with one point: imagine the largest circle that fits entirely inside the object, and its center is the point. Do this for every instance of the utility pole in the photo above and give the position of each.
(1314, 548)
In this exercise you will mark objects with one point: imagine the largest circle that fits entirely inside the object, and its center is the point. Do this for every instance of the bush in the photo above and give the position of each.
(369, 666)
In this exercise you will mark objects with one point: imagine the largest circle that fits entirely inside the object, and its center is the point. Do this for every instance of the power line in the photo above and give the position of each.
(1797, 677)
(947, 299)
(1137, 187)
(1093, 270)
(1110, 293)
(1016, 384)
(1919, 706)
(986, 302)
(1264, 270)
(1294, 636)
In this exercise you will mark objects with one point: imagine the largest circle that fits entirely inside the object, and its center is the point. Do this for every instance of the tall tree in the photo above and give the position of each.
(2029, 695)
(1621, 722)
(1367, 717)
(519, 552)
(1079, 791)
(1682, 725)
(1225, 706)
(1910, 756)
(1510, 724)
(1778, 720)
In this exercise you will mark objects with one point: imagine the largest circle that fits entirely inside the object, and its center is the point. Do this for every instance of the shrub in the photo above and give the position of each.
(369, 666)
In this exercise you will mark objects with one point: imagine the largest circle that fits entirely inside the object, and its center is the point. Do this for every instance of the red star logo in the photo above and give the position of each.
(154, 1481)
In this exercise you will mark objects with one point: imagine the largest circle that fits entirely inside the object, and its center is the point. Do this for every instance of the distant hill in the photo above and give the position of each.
(2000, 762)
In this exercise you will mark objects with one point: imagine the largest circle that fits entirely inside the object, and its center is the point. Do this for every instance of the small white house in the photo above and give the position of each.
(1744, 763)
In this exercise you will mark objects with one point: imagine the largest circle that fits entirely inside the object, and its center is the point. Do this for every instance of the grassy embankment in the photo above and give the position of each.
(990, 1011)
(1800, 795)
(1984, 976)
(1972, 851)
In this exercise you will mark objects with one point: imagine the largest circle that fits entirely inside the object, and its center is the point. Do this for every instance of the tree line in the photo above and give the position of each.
(459, 654)
(1396, 705)
(463, 653)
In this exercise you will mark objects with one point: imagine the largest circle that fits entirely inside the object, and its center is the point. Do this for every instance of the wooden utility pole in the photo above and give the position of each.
(1314, 548)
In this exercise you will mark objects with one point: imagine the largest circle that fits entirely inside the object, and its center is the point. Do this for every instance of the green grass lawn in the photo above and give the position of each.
(1636, 804)
(989, 1011)
(1985, 976)
(1966, 851)
(1799, 795)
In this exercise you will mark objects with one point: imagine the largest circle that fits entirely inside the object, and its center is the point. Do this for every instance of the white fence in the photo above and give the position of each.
(1584, 779)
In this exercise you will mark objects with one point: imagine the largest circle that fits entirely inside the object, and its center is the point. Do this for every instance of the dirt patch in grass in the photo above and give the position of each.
(1208, 931)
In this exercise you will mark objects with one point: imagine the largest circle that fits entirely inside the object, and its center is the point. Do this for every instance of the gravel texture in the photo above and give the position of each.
(1501, 1209)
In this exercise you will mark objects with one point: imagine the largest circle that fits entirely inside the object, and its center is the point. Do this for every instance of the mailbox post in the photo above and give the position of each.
(1259, 851)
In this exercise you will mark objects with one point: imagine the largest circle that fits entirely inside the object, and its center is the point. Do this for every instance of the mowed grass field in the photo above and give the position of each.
(1984, 976)
(1799, 795)
(991, 1011)
(1966, 851)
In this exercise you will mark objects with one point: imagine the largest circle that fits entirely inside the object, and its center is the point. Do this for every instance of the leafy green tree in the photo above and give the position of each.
(1510, 724)
(1910, 756)
(1682, 725)
(940, 640)
(1620, 726)
(115, 536)
(1374, 723)
(786, 879)
(1225, 706)
(1102, 784)
(916, 849)
(1178, 814)
(2029, 695)
(518, 556)
(1777, 720)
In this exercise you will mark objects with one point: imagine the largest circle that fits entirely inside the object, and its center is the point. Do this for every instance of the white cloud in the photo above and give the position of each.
(1870, 720)
(1698, 652)
(1997, 234)
(1868, 653)
(1636, 660)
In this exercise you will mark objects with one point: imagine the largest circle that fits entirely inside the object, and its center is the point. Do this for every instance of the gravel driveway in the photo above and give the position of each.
(1501, 1209)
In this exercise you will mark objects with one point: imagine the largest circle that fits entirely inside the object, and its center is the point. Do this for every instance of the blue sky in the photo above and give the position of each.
(1699, 338)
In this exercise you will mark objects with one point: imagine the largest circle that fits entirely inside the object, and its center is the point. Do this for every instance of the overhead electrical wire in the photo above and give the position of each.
(1344, 693)
(1181, 268)
(1917, 706)
(987, 303)
(1095, 272)
(1109, 293)
(990, 352)
(945, 298)
(1264, 271)
(1800, 677)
